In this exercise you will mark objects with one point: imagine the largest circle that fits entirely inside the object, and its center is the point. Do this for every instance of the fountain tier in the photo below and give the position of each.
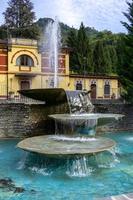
(98, 118)
(60, 145)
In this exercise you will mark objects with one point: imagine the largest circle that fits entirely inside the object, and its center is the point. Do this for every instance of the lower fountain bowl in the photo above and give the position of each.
(60, 145)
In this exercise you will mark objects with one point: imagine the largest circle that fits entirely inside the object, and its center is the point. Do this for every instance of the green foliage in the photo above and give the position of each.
(19, 14)
(92, 53)
(82, 48)
(81, 53)
(19, 19)
(3, 32)
(100, 58)
(31, 32)
(113, 58)
(72, 44)
(126, 69)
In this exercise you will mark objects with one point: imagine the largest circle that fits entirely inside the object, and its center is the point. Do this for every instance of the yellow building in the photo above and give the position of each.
(101, 87)
(24, 66)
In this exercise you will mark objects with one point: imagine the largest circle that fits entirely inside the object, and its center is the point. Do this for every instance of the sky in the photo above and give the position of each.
(100, 14)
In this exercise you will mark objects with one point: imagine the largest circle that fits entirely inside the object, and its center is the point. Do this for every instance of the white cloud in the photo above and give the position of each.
(101, 14)
(68, 12)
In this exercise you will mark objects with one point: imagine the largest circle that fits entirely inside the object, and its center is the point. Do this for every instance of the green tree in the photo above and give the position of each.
(3, 32)
(126, 69)
(114, 58)
(81, 53)
(101, 58)
(82, 48)
(72, 44)
(19, 19)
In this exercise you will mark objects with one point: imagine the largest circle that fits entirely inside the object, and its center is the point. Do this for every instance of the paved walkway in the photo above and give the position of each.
(120, 197)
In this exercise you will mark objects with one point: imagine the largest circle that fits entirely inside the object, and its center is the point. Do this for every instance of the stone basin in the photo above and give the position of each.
(60, 145)
(99, 118)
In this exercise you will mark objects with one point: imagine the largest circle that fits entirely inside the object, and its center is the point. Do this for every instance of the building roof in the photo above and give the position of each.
(22, 41)
(94, 76)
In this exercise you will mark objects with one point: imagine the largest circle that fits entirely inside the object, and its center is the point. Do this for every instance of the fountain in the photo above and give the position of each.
(69, 138)
(75, 131)
(74, 149)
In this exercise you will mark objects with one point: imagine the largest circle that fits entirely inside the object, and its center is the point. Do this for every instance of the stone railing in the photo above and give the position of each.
(20, 99)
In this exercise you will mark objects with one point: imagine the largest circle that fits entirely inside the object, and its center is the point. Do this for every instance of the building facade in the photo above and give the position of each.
(3, 69)
(24, 66)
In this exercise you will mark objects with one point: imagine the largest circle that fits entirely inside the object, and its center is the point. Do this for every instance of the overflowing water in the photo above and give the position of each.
(73, 139)
(78, 167)
(79, 102)
(83, 123)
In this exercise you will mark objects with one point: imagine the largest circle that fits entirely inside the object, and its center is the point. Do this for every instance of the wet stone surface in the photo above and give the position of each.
(58, 145)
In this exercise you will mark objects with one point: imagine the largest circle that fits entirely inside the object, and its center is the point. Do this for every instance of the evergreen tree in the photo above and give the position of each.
(107, 60)
(81, 54)
(82, 49)
(92, 54)
(90, 62)
(126, 69)
(101, 58)
(19, 14)
(114, 58)
(72, 44)
(3, 32)
(19, 18)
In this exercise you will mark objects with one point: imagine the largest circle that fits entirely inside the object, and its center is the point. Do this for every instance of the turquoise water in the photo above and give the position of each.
(88, 178)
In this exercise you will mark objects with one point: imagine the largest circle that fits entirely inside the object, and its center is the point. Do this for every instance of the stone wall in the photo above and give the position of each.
(21, 120)
(125, 124)
(13, 120)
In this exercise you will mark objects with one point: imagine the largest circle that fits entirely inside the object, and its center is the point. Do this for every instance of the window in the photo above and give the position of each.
(79, 85)
(24, 60)
(107, 89)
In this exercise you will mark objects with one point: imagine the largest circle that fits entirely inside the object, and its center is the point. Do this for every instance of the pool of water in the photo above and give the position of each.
(88, 178)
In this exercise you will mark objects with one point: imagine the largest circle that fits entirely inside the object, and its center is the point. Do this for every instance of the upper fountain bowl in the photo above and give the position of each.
(51, 96)
(99, 118)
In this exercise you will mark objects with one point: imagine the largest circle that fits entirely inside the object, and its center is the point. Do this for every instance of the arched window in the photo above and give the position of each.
(107, 89)
(24, 60)
(79, 85)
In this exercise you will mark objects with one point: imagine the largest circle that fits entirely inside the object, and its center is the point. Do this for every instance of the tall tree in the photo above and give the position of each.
(81, 54)
(19, 19)
(114, 58)
(19, 14)
(72, 44)
(101, 58)
(82, 48)
(126, 69)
